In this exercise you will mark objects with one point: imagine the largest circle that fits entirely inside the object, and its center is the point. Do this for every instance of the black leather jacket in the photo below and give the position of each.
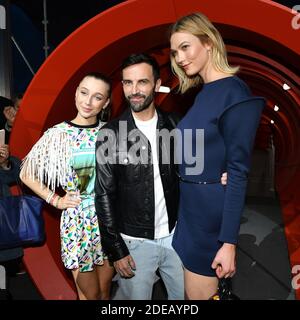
(125, 190)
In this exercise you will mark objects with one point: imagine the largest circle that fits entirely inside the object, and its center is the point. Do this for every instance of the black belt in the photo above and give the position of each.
(197, 182)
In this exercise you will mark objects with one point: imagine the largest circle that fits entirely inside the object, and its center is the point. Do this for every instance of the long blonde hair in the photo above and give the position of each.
(198, 25)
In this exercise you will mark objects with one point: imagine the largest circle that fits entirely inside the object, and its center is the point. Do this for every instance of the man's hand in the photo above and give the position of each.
(125, 266)
(4, 154)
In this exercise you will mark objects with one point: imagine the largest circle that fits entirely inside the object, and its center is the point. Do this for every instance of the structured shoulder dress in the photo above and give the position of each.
(226, 115)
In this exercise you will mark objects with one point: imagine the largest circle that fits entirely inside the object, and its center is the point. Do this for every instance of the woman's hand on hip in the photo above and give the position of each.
(70, 200)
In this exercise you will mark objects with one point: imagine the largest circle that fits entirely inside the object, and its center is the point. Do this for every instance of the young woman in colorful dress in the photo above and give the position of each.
(65, 157)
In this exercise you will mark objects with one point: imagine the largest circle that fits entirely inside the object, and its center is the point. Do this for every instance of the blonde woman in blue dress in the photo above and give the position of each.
(225, 109)
(65, 157)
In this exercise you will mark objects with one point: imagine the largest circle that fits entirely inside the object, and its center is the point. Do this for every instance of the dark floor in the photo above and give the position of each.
(263, 268)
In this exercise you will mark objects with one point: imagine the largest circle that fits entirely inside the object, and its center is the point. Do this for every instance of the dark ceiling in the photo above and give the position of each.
(65, 16)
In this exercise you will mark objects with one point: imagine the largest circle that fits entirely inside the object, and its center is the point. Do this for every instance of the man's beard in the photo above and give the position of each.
(139, 107)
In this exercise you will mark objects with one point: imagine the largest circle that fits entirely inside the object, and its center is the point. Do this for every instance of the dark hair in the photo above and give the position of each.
(142, 58)
(17, 97)
(103, 77)
(4, 102)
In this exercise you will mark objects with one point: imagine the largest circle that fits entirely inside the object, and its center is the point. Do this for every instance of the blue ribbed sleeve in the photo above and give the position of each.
(238, 125)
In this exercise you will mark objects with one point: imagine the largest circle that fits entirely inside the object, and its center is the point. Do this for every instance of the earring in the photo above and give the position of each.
(104, 114)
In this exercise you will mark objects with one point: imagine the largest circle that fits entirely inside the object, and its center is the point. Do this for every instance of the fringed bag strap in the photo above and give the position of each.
(49, 159)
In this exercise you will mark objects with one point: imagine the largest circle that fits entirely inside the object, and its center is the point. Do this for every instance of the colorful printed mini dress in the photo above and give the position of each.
(65, 156)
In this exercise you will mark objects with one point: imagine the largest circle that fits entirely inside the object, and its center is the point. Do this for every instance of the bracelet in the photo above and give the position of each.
(58, 198)
(53, 199)
(49, 197)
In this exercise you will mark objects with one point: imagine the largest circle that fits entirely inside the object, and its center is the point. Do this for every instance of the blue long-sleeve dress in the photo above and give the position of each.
(209, 213)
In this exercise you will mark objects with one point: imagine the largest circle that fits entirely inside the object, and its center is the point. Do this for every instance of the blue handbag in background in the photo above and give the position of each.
(21, 221)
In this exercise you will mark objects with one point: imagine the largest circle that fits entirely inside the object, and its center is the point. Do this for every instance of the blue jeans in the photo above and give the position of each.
(150, 255)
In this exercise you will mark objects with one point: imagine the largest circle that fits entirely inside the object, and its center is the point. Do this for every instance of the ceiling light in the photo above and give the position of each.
(164, 89)
(272, 121)
(286, 86)
(276, 108)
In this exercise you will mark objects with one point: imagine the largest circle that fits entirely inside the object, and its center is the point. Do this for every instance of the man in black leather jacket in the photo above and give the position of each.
(136, 190)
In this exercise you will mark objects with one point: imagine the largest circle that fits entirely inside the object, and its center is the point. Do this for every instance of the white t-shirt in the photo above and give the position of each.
(161, 225)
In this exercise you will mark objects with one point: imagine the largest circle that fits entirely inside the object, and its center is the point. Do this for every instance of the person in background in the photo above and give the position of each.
(209, 213)
(10, 258)
(10, 113)
(4, 102)
(65, 156)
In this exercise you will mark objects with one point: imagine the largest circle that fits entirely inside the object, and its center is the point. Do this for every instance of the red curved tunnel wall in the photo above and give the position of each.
(141, 25)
